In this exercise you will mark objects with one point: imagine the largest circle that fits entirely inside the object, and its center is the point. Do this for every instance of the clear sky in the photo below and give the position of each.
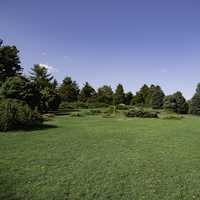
(109, 41)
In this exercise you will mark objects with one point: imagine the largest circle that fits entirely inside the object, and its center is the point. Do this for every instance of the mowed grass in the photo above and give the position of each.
(96, 158)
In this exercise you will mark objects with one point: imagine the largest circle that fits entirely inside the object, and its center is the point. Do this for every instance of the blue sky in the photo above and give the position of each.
(109, 41)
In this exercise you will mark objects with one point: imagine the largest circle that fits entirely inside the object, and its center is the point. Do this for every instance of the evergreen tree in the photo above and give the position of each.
(181, 103)
(105, 94)
(19, 87)
(156, 97)
(45, 83)
(87, 93)
(119, 96)
(142, 95)
(9, 62)
(69, 90)
(176, 103)
(128, 98)
(41, 76)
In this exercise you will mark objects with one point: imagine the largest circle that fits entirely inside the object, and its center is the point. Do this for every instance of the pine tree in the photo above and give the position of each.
(119, 96)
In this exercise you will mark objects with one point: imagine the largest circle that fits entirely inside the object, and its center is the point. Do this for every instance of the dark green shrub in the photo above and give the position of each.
(110, 110)
(15, 114)
(150, 114)
(136, 112)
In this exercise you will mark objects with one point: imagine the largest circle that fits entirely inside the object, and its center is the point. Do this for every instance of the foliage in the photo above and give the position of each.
(19, 87)
(176, 103)
(49, 98)
(9, 62)
(87, 93)
(110, 110)
(119, 96)
(136, 112)
(195, 102)
(41, 77)
(156, 97)
(105, 95)
(15, 114)
(141, 95)
(128, 98)
(122, 107)
(69, 90)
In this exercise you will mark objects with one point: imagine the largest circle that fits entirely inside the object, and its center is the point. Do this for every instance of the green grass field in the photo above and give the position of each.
(96, 158)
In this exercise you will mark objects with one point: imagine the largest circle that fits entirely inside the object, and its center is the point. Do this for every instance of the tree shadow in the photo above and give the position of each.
(40, 127)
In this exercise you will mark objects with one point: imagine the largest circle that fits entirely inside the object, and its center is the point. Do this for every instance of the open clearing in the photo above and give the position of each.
(96, 158)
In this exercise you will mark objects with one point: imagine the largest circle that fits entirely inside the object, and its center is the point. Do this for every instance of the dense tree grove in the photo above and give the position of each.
(105, 95)
(69, 90)
(42, 93)
(176, 103)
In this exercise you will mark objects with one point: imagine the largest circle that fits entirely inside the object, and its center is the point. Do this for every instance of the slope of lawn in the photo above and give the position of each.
(102, 158)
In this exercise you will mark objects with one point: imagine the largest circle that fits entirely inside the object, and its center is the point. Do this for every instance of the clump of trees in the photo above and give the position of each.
(24, 98)
(38, 92)
(176, 103)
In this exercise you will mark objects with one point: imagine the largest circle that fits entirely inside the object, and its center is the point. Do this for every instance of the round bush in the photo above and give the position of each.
(15, 114)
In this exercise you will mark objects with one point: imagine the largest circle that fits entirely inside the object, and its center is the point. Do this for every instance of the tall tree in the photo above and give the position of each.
(119, 96)
(45, 83)
(156, 97)
(195, 102)
(128, 98)
(9, 62)
(41, 76)
(176, 103)
(105, 94)
(142, 95)
(69, 90)
(87, 93)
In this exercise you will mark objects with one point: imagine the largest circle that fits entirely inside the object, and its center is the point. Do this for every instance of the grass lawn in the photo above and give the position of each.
(96, 158)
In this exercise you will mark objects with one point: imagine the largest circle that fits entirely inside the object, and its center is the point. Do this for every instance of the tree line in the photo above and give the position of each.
(41, 92)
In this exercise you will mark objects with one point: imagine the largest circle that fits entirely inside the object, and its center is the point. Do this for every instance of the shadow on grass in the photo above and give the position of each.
(41, 127)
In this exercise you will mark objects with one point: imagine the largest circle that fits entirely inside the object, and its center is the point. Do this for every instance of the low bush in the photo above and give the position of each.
(15, 114)
(136, 112)
(110, 110)
(122, 107)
